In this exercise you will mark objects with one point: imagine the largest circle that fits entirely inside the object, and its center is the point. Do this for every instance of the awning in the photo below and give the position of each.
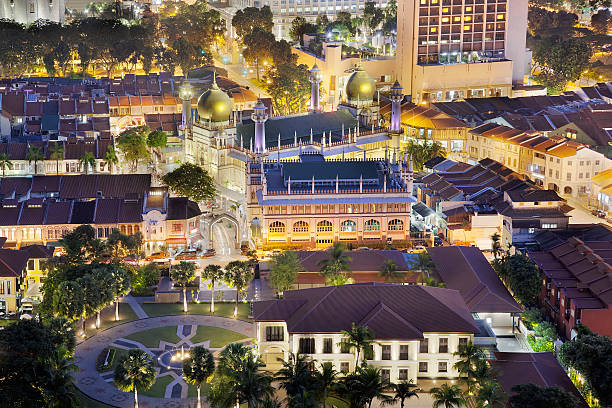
(422, 209)
(176, 241)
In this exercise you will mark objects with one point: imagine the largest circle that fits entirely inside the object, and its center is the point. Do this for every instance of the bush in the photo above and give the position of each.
(100, 366)
(532, 317)
(144, 278)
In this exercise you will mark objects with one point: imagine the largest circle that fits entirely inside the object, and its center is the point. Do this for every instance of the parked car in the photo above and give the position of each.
(208, 253)
(437, 241)
(599, 213)
(187, 256)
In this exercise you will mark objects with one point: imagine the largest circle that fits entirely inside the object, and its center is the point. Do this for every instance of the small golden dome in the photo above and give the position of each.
(360, 86)
(214, 105)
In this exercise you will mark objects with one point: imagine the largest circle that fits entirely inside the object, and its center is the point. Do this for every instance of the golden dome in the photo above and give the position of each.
(214, 105)
(360, 86)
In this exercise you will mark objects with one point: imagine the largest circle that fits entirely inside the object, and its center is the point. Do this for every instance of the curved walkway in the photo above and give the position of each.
(91, 383)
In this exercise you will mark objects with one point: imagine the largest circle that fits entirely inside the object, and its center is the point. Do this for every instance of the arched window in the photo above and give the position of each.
(300, 226)
(396, 225)
(277, 226)
(372, 225)
(348, 226)
(325, 226)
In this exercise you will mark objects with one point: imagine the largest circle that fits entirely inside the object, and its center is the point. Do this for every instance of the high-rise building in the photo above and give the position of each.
(449, 49)
(28, 11)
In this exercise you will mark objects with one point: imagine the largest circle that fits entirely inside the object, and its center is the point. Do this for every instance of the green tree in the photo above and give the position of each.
(183, 274)
(120, 283)
(297, 379)
(57, 154)
(239, 275)
(468, 357)
(28, 374)
(491, 395)
(284, 268)
(447, 396)
(192, 181)
(258, 45)
(423, 265)
(601, 20)
(133, 145)
(358, 339)
(246, 20)
(289, 87)
(35, 155)
(299, 27)
(86, 161)
(325, 379)
(239, 379)
(212, 273)
(198, 368)
(188, 55)
(60, 391)
(521, 276)
(560, 62)
(404, 390)
(389, 271)
(496, 245)
(5, 163)
(534, 396)
(146, 276)
(110, 158)
(134, 372)
(336, 266)
(365, 385)
(591, 355)
(69, 301)
(231, 358)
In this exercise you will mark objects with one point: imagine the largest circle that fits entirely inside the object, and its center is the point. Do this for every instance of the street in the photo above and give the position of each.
(582, 215)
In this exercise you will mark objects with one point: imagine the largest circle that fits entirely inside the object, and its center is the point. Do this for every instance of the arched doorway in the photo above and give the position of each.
(567, 190)
(553, 186)
(325, 234)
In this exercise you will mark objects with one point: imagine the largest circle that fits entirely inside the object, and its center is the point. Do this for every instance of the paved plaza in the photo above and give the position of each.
(99, 385)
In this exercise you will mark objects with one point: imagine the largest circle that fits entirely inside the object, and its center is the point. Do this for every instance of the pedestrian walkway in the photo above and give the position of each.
(129, 299)
(98, 385)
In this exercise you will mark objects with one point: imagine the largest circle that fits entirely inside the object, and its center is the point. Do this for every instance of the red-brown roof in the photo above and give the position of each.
(541, 369)
(390, 311)
(467, 270)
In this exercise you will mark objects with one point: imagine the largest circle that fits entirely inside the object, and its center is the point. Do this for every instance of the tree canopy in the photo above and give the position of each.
(192, 181)
(521, 276)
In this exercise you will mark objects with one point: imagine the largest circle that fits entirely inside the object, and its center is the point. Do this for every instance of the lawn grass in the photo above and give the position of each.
(107, 318)
(86, 402)
(119, 354)
(158, 389)
(150, 338)
(6, 322)
(218, 337)
(192, 390)
(221, 309)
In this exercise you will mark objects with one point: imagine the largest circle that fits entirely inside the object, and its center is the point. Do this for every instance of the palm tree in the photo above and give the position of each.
(86, 160)
(357, 339)
(365, 385)
(447, 396)
(250, 385)
(335, 267)
(182, 275)
(496, 245)
(238, 274)
(57, 154)
(231, 358)
(5, 163)
(389, 271)
(59, 387)
(35, 155)
(481, 373)
(429, 281)
(212, 273)
(325, 379)
(134, 372)
(469, 356)
(110, 158)
(423, 265)
(296, 378)
(490, 395)
(403, 391)
(198, 368)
